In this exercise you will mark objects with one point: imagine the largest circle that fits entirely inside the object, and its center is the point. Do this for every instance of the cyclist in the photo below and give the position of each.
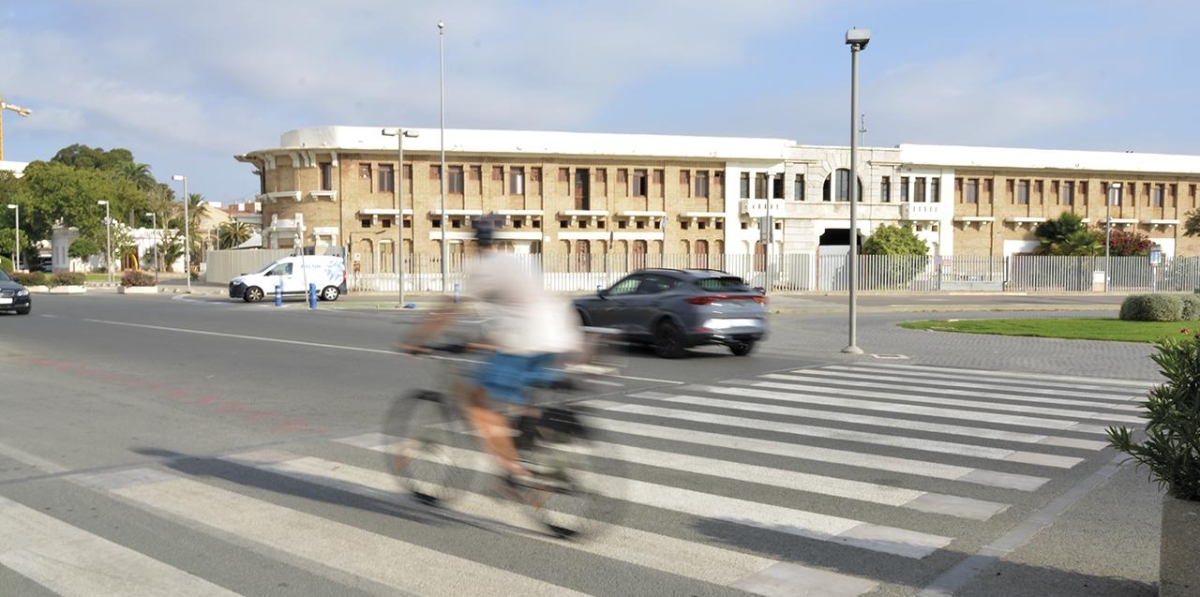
(527, 330)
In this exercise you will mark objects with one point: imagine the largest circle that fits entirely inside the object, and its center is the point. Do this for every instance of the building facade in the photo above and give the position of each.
(574, 196)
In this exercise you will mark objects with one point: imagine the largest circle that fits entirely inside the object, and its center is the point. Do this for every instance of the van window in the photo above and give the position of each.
(283, 269)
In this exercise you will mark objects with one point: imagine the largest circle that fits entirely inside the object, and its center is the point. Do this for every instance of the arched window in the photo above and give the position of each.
(638, 258)
(583, 256)
(701, 252)
(840, 181)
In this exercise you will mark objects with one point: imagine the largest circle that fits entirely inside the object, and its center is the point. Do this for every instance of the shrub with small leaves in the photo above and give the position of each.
(69, 278)
(1152, 307)
(1171, 449)
(133, 277)
(29, 278)
(1191, 307)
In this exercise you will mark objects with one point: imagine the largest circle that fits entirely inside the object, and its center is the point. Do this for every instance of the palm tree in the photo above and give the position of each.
(232, 234)
(139, 175)
(1067, 235)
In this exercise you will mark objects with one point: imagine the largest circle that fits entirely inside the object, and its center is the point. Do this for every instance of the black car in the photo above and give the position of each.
(13, 296)
(674, 309)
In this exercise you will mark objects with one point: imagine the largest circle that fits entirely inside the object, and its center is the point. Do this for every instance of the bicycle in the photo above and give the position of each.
(572, 491)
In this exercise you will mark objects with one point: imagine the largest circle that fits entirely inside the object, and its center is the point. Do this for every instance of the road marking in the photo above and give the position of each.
(33, 460)
(892, 464)
(1096, 392)
(805, 482)
(897, 441)
(1051, 377)
(242, 337)
(859, 381)
(329, 544)
(689, 559)
(75, 563)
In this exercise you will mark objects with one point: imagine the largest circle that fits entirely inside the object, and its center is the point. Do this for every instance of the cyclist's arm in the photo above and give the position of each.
(431, 326)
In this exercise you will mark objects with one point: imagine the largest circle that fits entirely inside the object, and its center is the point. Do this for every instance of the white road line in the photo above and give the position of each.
(1052, 377)
(941, 447)
(326, 543)
(874, 493)
(895, 423)
(822, 527)
(75, 563)
(33, 460)
(921, 468)
(842, 379)
(243, 337)
(658, 552)
(1095, 392)
(1045, 421)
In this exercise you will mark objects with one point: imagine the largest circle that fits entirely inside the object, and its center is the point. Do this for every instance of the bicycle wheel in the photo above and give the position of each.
(419, 457)
(575, 492)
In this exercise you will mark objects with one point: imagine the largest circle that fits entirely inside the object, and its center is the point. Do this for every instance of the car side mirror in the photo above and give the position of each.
(600, 292)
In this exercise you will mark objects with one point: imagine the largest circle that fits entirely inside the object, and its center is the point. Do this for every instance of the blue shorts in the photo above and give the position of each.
(506, 377)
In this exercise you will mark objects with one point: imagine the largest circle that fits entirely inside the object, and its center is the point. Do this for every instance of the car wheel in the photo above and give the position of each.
(583, 318)
(668, 341)
(741, 349)
(253, 294)
(24, 311)
(330, 293)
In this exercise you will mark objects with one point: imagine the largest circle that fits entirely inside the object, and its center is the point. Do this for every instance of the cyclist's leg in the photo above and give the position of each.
(498, 379)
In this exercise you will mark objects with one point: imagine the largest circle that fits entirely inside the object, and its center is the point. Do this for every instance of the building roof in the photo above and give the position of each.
(17, 168)
(1048, 159)
(539, 143)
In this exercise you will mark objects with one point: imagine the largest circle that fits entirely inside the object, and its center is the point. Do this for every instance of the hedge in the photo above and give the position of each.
(1153, 307)
(133, 277)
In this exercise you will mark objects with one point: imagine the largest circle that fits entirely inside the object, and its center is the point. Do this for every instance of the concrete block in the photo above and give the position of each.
(1179, 560)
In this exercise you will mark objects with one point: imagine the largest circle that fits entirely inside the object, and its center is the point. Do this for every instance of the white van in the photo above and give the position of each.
(293, 274)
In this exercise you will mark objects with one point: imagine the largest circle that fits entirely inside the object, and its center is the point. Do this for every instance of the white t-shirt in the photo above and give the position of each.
(521, 317)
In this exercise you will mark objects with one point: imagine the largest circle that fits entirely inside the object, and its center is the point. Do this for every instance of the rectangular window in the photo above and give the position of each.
(326, 177)
(366, 222)
(744, 187)
(1023, 192)
(919, 189)
(1156, 196)
(843, 184)
(885, 189)
(798, 190)
(685, 183)
(364, 171)
(564, 175)
(904, 189)
(622, 176)
(1066, 194)
(935, 190)
(659, 177)
(639, 183)
(971, 191)
(498, 173)
(777, 187)
(387, 178)
(702, 183)
(516, 180)
(1112, 194)
(454, 184)
(387, 222)
(475, 173)
(435, 172)
(601, 175)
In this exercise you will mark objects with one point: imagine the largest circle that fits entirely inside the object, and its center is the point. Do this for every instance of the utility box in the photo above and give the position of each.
(1098, 281)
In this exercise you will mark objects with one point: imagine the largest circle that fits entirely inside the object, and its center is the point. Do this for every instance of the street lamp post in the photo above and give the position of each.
(857, 39)
(400, 134)
(158, 240)
(23, 112)
(1114, 191)
(17, 231)
(442, 125)
(108, 240)
(187, 233)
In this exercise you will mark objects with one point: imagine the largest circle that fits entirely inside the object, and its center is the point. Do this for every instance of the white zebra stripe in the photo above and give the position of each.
(1095, 392)
(1049, 377)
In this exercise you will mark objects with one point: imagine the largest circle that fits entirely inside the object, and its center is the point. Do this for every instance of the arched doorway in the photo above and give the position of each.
(837, 186)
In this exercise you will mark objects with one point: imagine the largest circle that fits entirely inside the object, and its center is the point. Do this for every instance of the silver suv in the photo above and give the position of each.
(674, 309)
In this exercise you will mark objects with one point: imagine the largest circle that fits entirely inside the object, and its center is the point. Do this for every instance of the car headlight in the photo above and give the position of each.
(23, 292)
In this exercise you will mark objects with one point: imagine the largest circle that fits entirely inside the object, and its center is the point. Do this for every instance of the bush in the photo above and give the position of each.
(29, 278)
(1152, 307)
(133, 277)
(69, 278)
(1191, 306)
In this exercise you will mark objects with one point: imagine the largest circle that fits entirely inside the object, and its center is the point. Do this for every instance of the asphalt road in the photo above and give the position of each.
(195, 442)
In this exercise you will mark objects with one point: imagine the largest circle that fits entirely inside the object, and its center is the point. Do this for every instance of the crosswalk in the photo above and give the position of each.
(840, 480)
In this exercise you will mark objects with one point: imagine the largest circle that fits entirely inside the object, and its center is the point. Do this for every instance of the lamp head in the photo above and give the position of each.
(102, 202)
(12, 205)
(441, 25)
(411, 134)
(178, 177)
(858, 38)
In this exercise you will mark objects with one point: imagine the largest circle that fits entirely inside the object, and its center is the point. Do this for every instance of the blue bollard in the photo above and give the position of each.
(312, 296)
(457, 292)
(279, 295)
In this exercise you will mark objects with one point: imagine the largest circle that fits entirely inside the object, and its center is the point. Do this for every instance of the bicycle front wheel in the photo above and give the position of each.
(419, 457)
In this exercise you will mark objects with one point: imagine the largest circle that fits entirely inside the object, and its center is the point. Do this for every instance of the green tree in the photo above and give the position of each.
(93, 158)
(82, 248)
(894, 240)
(1068, 235)
(55, 193)
(232, 234)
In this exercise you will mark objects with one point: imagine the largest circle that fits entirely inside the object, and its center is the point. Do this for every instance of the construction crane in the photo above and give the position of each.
(5, 106)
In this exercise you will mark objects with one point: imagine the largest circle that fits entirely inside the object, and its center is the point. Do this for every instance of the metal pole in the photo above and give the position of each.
(157, 261)
(442, 119)
(108, 240)
(1113, 189)
(853, 348)
(17, 247)
(400, 212)
(187, 237)
(768, 235)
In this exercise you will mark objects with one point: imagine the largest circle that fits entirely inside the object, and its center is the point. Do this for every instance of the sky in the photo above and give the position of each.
(185, 85)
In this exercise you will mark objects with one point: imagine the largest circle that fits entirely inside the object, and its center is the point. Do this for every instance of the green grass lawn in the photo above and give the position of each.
(1075, 329)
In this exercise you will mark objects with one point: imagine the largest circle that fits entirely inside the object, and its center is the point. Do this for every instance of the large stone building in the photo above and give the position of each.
(332, 189)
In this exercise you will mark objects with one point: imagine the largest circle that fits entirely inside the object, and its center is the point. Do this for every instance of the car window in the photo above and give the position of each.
(624, 287)
(722, 284)
(4, 277)
(283, 269)
(654, 284)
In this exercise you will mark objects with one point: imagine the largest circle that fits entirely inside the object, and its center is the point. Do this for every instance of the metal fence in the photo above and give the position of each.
(795, 272)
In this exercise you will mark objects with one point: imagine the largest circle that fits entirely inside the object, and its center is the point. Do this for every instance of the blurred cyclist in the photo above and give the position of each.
(527, 330)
